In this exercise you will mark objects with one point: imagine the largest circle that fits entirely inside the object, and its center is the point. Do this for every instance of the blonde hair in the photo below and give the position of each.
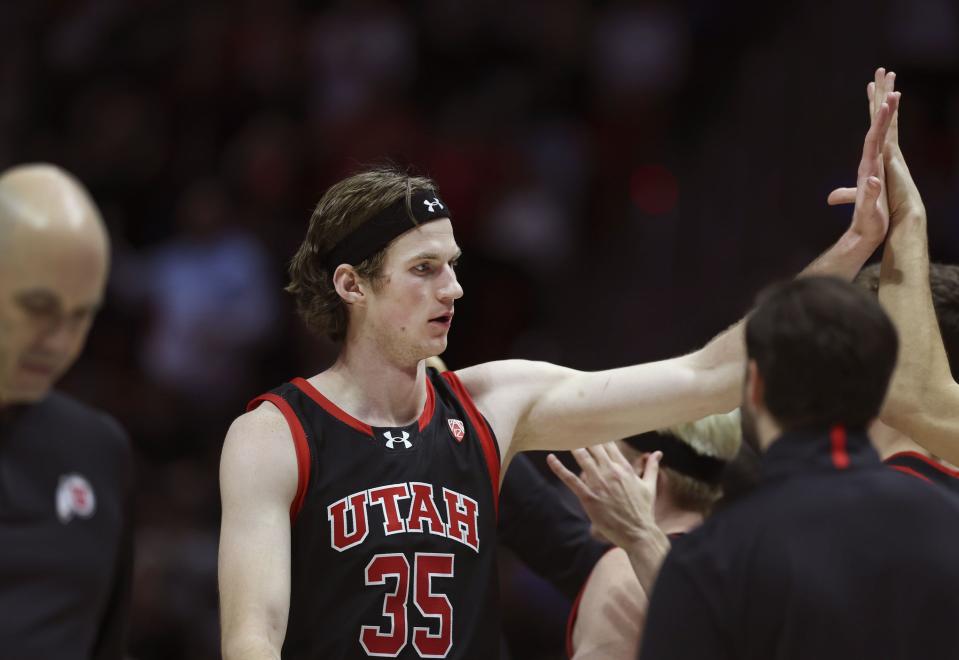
(718, 436)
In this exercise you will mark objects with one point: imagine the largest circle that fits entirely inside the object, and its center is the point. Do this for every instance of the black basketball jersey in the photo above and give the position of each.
(922, 467)
(393, 529)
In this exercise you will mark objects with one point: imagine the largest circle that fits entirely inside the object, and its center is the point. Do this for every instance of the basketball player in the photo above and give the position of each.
(359, 504)
(607, 619)
(923, 302)
(65, 469)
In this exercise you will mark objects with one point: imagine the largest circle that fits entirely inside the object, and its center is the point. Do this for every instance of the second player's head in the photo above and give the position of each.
(54, 256)
(694, 457)
(820, 353)
(378, 263)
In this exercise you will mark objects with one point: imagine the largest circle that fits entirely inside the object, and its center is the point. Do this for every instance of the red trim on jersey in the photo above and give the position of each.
(837, 437)
(427, 415)
(911, 472)
(300, 444)
(574, 609)
(571, 619)
(925, 459)
(307, 388)
(487, 441)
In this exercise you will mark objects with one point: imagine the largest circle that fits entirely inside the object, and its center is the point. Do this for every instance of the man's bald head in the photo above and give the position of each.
(54, 257)
(44, 201)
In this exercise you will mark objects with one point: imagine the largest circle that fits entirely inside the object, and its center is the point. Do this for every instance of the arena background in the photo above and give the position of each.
(624, 178)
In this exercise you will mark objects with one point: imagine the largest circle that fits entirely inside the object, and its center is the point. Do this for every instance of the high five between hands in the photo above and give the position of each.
(621, 503)
(923, 395)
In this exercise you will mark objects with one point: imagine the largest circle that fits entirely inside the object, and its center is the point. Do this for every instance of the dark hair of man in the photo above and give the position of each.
(345, 206)
(825, 350)
(944, 282)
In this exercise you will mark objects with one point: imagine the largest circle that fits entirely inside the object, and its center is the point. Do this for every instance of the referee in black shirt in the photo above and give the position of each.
(833, 555)
(65, 537)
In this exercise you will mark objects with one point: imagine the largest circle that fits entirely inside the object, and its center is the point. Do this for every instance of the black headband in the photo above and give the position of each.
(377, 232)
(679, 456)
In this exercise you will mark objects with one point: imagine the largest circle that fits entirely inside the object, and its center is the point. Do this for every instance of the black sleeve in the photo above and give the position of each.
(547, 533)
(680, 623)
(112, 636)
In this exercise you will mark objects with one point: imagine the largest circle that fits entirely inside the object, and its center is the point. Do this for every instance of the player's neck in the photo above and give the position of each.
(673, 520)
(373, 388)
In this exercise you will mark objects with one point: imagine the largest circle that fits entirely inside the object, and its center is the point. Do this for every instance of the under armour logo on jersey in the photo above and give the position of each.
(404, 438)
(75, 498)
(457, 429)
(435, 202)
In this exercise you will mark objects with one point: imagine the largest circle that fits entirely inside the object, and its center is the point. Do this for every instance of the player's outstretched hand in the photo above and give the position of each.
(617, 500)
(879, 92)
(870, 218)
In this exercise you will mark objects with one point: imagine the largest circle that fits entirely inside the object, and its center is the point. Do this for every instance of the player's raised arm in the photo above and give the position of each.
(923, 397)
(258, 480)
(534, 405)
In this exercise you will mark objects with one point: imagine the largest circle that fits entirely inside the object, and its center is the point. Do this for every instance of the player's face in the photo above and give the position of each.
(49, 293)
(411, 312)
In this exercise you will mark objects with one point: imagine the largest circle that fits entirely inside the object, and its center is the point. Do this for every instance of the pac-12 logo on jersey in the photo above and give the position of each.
(75, 497)
(404, 439)
(457, 429)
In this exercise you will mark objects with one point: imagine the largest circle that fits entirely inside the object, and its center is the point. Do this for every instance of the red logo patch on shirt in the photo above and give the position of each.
(75, 498)
(457, 429)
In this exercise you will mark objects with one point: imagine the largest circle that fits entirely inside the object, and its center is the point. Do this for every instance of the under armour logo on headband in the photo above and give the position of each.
(435, 202)
(377, 232)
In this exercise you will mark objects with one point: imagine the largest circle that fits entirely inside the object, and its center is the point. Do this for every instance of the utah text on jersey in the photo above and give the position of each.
(407, 508)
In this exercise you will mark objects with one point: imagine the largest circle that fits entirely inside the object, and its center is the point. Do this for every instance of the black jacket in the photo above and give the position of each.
(65, 532)
(834, 555)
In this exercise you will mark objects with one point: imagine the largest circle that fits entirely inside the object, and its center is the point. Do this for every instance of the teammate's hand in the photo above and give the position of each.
(619, 502)
(880, 88)
(870, 219)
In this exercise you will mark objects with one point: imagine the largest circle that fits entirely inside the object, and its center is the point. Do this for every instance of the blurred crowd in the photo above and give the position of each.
(624, 176)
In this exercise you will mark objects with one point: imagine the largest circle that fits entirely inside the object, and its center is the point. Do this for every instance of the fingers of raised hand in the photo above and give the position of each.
(617, 456)
(574, 483)
(651, 469)
(600, 455)
(893, 132)
(587, 462)
(872, 188)
(841, 196)
(872, 145)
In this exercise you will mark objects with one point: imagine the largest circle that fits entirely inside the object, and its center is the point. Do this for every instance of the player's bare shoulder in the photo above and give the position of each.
(506, 390)
(504, 380)
(259, 455)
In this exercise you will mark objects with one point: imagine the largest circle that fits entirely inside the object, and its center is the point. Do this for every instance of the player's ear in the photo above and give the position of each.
(348, 284)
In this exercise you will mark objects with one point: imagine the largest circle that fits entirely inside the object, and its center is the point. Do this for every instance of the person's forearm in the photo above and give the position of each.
(904, 293)
(723, 357)
(646, 553)
(844, 259)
